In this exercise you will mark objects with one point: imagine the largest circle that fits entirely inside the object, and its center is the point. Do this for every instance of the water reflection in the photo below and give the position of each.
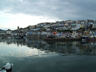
(35, 47)
(17, 48)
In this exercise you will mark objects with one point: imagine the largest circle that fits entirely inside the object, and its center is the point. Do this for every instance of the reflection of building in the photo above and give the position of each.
(64, 48)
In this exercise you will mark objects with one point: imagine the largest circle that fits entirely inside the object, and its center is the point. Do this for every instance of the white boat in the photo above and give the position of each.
(7, 67)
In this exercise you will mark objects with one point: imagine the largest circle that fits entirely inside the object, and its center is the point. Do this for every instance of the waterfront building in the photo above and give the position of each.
(94, 26)
(9, 32)
(75, 26)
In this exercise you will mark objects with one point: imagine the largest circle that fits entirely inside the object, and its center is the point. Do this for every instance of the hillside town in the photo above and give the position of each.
(58, 31)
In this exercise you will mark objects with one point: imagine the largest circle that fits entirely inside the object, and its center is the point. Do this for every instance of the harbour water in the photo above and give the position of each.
(40, 56)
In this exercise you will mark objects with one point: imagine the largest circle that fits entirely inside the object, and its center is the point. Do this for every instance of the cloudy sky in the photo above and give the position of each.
(22, 13)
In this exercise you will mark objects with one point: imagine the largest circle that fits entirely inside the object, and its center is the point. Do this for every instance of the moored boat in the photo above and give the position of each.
(7, 68)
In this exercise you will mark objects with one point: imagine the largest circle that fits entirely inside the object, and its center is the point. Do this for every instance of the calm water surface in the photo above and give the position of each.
(41, 56)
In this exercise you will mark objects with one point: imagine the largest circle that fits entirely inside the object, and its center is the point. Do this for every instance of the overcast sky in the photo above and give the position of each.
(22, 13)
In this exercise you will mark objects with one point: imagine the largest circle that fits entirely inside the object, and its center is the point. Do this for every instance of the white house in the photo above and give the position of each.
(94, 26)
(9, 32)
(75, 26)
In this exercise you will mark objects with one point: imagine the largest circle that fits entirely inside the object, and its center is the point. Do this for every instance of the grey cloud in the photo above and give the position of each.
(63, 9)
